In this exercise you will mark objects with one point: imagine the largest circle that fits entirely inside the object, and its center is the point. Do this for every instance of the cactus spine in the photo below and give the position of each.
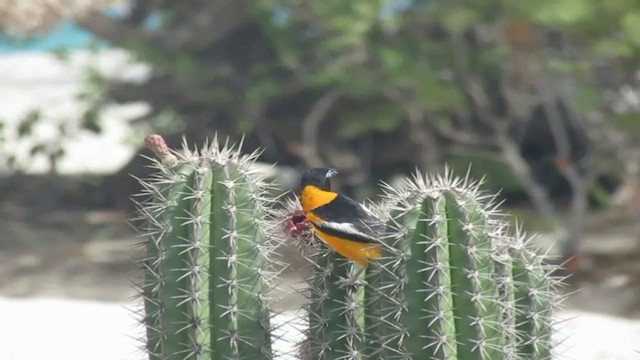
(454, 283)
(206, 278)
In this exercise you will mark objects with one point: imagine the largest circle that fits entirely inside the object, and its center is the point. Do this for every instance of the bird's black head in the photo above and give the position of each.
(319, 177)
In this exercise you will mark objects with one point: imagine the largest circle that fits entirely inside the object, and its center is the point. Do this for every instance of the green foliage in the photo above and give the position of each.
(52, 149)
(401, 56)
(26, 126)
(162, 61)
(630, 25)
(495, 173)
(628, 122)
(439, 94)
(457, 20)
(381, 117)
(588, 98)
(564, 13)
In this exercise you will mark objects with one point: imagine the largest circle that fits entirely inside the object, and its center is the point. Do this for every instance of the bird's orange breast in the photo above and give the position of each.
(311, 197)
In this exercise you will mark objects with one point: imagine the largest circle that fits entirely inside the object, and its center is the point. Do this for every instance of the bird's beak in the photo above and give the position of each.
(331, 172)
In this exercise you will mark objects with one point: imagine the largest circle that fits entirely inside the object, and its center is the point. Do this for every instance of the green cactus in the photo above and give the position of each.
(454, 283)
(207, 276)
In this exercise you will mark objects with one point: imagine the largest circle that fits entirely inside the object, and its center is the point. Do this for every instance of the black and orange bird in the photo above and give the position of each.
(342, 223)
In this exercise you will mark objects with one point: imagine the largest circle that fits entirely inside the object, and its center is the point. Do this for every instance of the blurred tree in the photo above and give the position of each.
(375, 86)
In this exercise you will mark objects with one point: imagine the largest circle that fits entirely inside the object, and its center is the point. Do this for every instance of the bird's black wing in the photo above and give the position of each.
(349, 219)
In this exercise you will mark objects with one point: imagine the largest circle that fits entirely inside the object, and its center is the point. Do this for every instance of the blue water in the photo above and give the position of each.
(67, 35)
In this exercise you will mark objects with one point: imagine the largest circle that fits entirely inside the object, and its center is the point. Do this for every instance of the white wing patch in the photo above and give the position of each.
(346, 228)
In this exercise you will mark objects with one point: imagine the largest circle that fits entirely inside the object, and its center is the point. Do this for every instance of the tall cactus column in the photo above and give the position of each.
(454, 283)
(206, 272)
(335, 309)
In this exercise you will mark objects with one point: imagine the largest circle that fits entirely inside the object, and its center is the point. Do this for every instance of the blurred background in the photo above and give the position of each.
(540, 98)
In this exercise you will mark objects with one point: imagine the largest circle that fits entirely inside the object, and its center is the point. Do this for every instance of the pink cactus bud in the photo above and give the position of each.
(158, 146)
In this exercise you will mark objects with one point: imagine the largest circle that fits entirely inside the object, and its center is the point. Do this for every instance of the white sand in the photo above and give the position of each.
(63, 329)
(590, 336)
(33, 329)
(58, 329)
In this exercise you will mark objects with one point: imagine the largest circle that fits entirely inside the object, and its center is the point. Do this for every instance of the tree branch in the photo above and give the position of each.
(420, 135)
(578, 183)
(311, 127)
(521, 169)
